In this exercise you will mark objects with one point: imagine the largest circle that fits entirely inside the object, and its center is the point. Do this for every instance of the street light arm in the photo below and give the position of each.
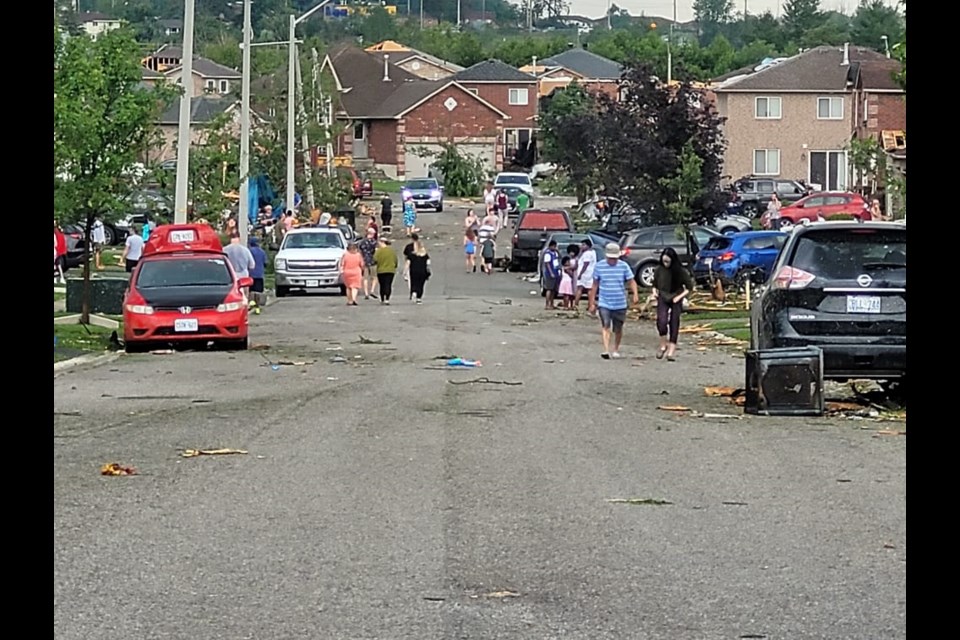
(311, 12)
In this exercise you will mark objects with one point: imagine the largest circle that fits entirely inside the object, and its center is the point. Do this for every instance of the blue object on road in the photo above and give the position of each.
(460, 362)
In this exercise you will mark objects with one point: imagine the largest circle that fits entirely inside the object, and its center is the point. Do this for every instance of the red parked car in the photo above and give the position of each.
(184, 290)
(826, 205)
(361, 184)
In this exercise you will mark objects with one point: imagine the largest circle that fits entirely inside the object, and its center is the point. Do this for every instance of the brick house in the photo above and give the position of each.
(794, 117)
(416, 62)
(596, 73)
(514, 93)
(396, 120)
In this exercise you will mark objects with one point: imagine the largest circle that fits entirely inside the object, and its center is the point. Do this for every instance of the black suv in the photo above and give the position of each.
(840, 286)
(754, 193)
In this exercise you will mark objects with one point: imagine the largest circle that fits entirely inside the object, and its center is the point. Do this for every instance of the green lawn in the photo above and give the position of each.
(72, 340)
(386, 186)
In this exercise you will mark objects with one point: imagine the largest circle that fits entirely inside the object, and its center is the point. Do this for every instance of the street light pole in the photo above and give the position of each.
(670, 46)
(183, 129)
(244, 217)
(292, 98)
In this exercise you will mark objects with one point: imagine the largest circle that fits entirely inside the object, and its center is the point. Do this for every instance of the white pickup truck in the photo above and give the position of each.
(309, 259)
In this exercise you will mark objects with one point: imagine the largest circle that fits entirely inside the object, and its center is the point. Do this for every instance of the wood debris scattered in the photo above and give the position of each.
(650, 501)
(674, 408)
(193, 453)
(117, 469)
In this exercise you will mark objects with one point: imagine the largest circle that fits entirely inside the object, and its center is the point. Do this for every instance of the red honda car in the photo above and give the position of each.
(184, 291)
(824, 205)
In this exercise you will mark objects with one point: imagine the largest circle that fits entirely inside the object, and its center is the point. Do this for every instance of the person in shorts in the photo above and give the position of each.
(608, 296)
(550, 273)
(257, 273)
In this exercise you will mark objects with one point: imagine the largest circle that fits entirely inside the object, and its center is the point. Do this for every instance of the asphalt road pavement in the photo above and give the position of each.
(383, 498)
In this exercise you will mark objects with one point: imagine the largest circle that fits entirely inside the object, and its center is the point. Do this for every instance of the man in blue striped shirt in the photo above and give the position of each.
(609, 281)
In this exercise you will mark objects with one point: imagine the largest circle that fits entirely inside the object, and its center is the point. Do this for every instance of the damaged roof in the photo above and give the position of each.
(586, 63)
(818, 69)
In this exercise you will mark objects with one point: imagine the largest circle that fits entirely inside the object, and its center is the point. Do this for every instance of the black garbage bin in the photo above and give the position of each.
(106, 294)
(349, 214)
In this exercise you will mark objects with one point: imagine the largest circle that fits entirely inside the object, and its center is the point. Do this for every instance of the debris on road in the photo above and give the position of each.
(696, 328)
(651, 501)
(673, 408)
(734, 503)
(462, 362)
(499, 595)
(332, 379)
(716, 416)
(485, 381)
(259, 347)
(162, 352)
(193, 453)
(67, 413)
(890, 432)
(722, 392)
(505, 301)
(117, 469)
(338, 359)
(365, 340)
(336, 348)
(434, 598)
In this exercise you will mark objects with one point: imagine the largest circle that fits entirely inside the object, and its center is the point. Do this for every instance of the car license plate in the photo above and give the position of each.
(185, 325)
(863, 304)
(313, 283)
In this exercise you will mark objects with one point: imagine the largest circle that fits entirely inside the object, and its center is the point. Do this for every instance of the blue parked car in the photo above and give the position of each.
(728, 256)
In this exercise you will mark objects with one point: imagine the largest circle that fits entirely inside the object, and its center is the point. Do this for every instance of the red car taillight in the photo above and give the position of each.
(729, 255)
(625, 252)
(791, 278)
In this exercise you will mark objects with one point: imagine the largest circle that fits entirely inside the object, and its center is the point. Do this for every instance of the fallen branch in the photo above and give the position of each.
(485, 381)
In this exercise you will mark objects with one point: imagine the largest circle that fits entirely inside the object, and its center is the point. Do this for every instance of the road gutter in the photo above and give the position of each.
(89, 359)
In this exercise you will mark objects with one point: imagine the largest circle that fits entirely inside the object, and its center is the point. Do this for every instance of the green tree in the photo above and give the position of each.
(569, 127)
(711, 15)
(801, 16)
(834, 29)
(377, 26)
(103, 119)
(900, 53)
(873, 20)
(685, 186)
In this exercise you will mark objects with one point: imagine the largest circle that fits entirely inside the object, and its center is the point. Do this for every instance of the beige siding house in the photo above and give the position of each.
(209, 77)
(423, 65)
(793, 118)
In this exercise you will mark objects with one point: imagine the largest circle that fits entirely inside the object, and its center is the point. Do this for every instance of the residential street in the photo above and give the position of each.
(384, 497)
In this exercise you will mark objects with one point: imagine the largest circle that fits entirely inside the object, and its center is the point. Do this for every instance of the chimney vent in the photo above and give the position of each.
(386, 67)
(846, 54)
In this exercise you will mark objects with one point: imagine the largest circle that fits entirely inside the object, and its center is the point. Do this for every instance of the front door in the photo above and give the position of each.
(829, 170)
(360, 133)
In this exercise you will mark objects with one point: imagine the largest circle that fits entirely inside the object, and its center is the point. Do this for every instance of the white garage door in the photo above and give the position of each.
(419, 157)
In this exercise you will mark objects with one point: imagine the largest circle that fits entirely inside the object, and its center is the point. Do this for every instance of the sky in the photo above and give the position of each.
(664, 8)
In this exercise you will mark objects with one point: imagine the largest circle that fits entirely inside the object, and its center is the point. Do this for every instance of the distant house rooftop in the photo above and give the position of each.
(95, 16)
(585, 63)
(492, 71)
(203, 110)
(209, 69)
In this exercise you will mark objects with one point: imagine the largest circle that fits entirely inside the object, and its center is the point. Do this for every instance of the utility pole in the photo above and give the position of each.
(305, 139)
(329, 136)
(291, 99)
(421, 15)
(459, 21)
(183, 129)
(530, 16)
(745, 10)
(244, 217)
(609, 21)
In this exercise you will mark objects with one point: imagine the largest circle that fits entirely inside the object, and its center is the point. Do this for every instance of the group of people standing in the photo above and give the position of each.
(606, 283)
(371, 265)
(480, 236)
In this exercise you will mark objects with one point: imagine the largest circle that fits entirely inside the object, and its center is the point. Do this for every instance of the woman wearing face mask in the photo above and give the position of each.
(671, 284)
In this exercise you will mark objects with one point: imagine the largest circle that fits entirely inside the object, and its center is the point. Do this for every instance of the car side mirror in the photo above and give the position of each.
(441, 188)
(245, 282)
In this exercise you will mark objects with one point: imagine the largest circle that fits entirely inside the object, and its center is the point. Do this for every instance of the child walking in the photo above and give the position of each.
(470, 248)
(568, 268)
(488, 252)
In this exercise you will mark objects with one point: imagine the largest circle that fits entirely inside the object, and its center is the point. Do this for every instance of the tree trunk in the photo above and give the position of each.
(85, 301)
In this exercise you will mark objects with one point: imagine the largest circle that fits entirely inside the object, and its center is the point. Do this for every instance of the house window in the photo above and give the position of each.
(766, 162)
(518, 97)
(830, 108)
(767, 109)
(224, 86)
(516, 144)
(358, 131)
(210, 86)
(828, 169)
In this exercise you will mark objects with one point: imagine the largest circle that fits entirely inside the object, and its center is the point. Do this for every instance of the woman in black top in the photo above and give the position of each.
(671, 284)
(417, 268)
(386, 212)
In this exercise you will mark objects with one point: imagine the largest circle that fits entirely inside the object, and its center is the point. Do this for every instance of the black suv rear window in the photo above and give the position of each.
(717, 244)
(190, 272)
(845, 254)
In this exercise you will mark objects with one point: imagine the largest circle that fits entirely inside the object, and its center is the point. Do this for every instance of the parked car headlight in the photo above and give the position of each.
(140, 309)
(280, 264)
(229, 306)
(435, 193)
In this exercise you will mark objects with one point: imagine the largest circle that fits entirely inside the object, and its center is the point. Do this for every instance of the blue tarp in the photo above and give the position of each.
(261, 194)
